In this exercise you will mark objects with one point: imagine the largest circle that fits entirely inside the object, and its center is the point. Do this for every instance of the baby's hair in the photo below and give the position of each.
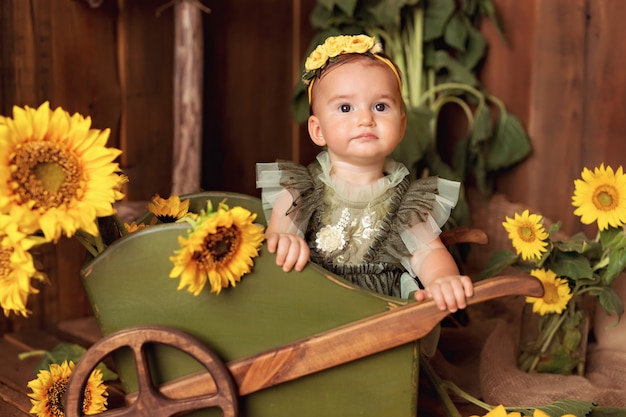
(348, 58)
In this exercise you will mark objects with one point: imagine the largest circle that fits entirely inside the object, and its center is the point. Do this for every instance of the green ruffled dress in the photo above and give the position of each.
(365, 234)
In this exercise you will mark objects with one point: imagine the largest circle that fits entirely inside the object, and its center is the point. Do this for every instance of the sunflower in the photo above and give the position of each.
(556, 293)
(540, 413)
(219, 248)
(601, 196)
(168, 210)
(50, 386)
(133, 227)
(16, 267)
(500, 411)
(56, 167)
(527, 235)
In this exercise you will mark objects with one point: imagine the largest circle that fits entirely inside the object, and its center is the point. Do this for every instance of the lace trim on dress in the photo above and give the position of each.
(395, 172)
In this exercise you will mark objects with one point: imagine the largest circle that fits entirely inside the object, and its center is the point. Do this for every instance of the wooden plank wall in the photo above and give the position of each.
(250, 59)
(563, 76)
(114, 62)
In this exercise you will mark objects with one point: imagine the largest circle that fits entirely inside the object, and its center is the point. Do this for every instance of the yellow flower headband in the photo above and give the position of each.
(335, 46)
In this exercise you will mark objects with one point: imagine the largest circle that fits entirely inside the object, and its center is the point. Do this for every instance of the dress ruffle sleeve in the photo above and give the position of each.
(424, 210)
(276, 178)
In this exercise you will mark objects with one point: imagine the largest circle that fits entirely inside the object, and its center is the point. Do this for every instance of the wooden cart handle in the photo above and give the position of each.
(347, 343)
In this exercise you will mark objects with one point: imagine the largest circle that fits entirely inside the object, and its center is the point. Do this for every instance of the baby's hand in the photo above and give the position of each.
(449, 292)
(291, 250)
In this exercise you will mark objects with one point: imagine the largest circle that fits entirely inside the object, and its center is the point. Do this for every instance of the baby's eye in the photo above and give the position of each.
(380, 106)
(345, 108)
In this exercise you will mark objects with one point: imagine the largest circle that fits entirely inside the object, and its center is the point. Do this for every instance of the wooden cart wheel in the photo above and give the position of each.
(149, 401)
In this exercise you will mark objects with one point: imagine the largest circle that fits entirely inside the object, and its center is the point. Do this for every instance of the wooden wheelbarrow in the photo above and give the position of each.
(277, 344)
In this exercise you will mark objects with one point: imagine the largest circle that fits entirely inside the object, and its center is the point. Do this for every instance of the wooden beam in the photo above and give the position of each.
(188, 84)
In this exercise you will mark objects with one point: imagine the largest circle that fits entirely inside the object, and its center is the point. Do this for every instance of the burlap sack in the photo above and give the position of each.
(481, 359)
(501, 382)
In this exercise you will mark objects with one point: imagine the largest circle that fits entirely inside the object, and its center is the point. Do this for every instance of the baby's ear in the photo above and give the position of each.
(315, 131)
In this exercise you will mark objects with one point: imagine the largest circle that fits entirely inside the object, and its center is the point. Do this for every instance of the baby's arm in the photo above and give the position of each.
(292, 251)
(440, 276)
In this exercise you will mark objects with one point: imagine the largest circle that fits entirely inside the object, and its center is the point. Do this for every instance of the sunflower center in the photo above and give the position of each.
(527, 233)
(55, 397)
(605, 198)
(167, 218)
(5, 261)
(46, 174)
(551, 294)
(87, 400)
(219, 247)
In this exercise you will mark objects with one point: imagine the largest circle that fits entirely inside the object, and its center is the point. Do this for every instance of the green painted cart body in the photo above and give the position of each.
(129, 286)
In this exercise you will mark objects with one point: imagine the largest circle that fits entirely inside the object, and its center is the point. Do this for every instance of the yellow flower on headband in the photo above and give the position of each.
(317, 58)
(338, 45)
(362, 43)
(335, 45)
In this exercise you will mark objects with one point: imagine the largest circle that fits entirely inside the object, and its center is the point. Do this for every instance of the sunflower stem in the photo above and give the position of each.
(85, 241)
(120, 225)
(30, 354)
(545, 342)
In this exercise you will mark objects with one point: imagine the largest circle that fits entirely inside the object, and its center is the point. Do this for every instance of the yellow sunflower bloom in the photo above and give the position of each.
(556, 293)
(133, 227)
(527, 235)
(58, 169)
(540, 413)
(500, 411)
(50, 386)
(600, 196)
(16, 267)
(168, 210)
(220, 248)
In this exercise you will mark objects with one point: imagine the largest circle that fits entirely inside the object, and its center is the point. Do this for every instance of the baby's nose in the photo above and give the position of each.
(365, 117)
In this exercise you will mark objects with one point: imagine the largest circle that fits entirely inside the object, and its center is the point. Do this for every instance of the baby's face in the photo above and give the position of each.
(358, 112)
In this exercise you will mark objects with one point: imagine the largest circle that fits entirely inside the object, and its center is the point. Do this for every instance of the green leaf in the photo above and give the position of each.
(321, 16)
(455, 72)
(498, 262)
(417, 137)
(347, 6)
(487, 8)
(580, 244)
(607, 412)
(611, 302)
(475, 49)
(572, 266)
(571, 340)
(436, 16)
(482, 127)
(559, 362)
(456, 33)
(554, 227)
(509, 144)
(617, 263)
(561, 407)
(613, 238)
(70, 352)
(469, 7)
(387, 14)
